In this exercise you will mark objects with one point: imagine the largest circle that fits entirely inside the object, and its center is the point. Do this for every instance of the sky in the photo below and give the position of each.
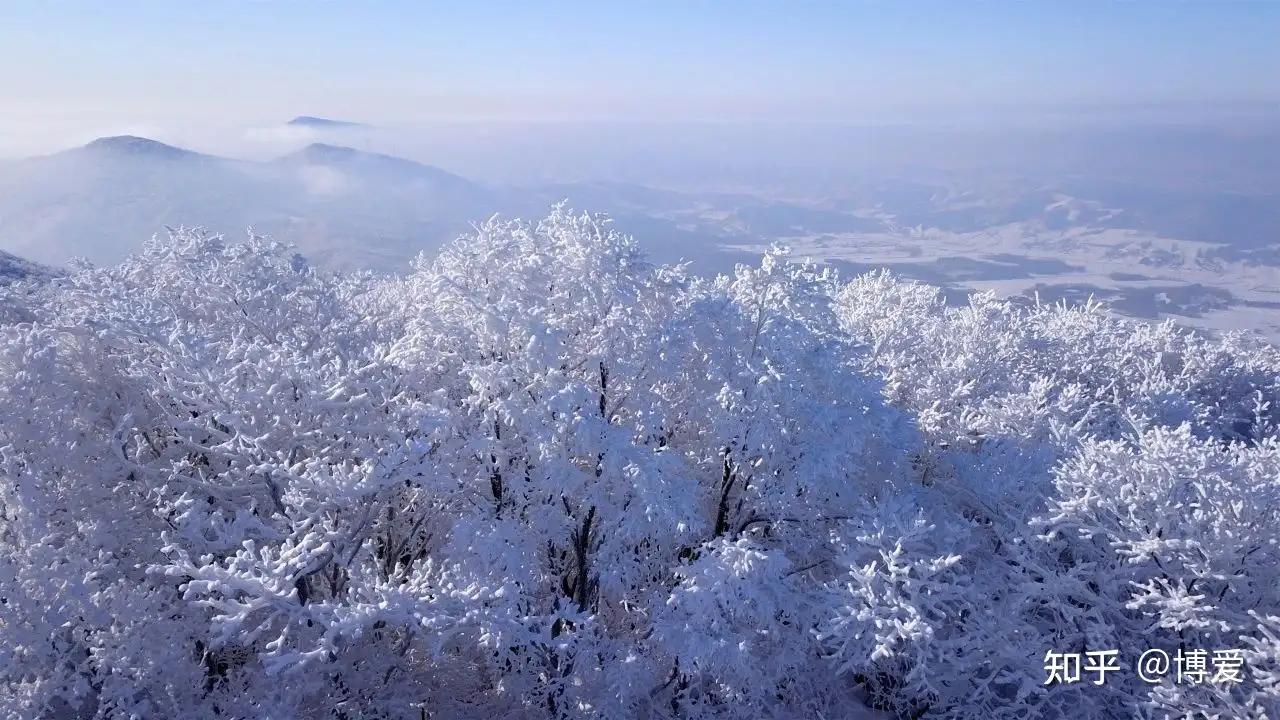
(92, 65)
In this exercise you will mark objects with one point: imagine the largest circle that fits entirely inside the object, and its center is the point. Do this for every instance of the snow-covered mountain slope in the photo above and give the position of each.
(14, 268)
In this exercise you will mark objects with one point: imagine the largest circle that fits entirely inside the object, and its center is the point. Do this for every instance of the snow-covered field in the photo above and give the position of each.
(1139, 274)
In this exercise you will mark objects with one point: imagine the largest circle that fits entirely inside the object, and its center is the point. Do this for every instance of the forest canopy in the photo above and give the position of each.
(538, 476)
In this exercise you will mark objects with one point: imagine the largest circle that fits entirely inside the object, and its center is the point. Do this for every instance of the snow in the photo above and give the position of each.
(1112, 262)
(13, 268)
(539, 475)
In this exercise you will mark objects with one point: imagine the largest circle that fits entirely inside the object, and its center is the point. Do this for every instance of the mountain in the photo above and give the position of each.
(382, 169)
(342, 207)
(372, 210)
(324, 123)
(102, 200)
(131, 145)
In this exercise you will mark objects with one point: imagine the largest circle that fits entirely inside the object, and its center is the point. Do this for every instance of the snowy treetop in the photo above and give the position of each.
(539, 476)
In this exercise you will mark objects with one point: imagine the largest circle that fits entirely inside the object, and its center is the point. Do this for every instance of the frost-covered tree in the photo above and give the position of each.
(538, 476)
(1093, 482)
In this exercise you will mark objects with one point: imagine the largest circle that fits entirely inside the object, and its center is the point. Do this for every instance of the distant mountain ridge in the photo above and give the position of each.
(324, 152)
(134, 145)
(400, 169)
(319, 122)
(342, 207)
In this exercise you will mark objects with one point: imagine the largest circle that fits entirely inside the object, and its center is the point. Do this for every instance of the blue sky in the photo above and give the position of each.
(139, 61)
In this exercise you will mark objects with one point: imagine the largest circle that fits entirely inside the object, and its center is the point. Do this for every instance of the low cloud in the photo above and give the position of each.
(321, 180)
(282, 136)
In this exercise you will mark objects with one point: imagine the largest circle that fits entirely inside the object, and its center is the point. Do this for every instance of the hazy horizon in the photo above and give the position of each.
(71, 71)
